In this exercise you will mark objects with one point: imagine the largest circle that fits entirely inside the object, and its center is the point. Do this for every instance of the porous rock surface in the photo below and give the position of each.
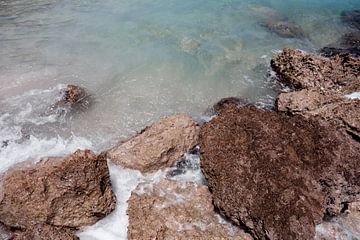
(176, 210)
(45, 232)
(321, 85)
(70, 192)
(277, 175)
(157, 146)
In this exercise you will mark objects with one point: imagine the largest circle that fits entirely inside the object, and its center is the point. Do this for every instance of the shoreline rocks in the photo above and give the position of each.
(176, 210)
(157, 146)
(58, 193)
(266, 169)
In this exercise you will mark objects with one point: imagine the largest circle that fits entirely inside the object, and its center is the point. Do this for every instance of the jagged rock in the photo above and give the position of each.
(300, 70)
(157, 146)
(285, 29)
(71, 192)
(176, 210)
(321, 85)
(45, 232)
(352, 18)
(344, 227)
(277, 175)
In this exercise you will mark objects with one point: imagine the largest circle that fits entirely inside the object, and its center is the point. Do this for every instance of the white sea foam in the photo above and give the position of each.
(354, 95)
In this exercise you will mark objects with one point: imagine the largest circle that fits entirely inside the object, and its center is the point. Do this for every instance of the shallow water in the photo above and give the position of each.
(140, 60)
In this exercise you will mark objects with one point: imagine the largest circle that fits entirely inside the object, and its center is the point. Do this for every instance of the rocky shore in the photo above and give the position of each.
(290, 173)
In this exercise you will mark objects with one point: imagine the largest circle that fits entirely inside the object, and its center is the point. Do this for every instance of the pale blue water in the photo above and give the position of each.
(140, 59)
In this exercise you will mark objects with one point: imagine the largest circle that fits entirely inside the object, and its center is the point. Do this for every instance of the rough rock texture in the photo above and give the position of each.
(157, 146)
(321, 85)
(5, 233)
(285, 29)
(344, 227)
(176, 210)
(276, 174)
(352, 18)
(45, 232)
(300, 70)
(72, 192)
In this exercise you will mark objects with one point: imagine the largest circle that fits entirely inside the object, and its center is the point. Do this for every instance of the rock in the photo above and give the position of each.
(73, 98)
(285, 29)
(346, 226)
(352, 18)
(176, 210)
(225, 102)
(267, 13)
(277, 175)
(72, 192)
(157, 146)
(45, 232)
(347, 44)
(300, 70)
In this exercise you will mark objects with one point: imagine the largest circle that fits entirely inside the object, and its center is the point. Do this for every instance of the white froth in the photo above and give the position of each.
(354, 95)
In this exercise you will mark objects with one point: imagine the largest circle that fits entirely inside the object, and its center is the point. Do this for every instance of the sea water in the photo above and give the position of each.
(139, 60)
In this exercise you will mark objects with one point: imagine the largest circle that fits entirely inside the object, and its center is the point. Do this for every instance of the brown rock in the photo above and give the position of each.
(46, 232)
(276, 174)
(73, 192)
(176, 210)
(300, 70)
(157, 146)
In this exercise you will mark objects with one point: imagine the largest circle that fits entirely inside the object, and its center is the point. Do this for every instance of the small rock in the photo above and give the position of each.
(176, 210)
(285, 29)
(157, 146)
(72, 192)
(352, 18)
(347, 44)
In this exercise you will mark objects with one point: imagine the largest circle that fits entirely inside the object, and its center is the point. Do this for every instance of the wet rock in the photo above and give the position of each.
(73, 98)
(352, 18)
(285, 29)
(45, 232)
(5, 233)
(71, 192)
(176, 210)
(344, 227)
(268, 13)
(275, 174)
(157, 146)
(347, 44)
(300, 70)
(225, 102)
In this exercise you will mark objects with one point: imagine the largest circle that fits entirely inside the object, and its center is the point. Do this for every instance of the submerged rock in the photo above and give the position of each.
(344, 227)
(70, 192)
(277, 175)
(352, 18)
(176, 210)
(285, 29)
(347, 44)
(157, 146)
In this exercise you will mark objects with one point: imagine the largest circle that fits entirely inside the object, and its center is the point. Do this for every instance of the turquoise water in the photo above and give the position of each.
(140, 60)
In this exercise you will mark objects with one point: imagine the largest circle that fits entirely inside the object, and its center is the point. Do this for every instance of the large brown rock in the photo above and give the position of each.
(157, 146)
(71, 192)
(45, 232)
(275, 174)
(300, 70)
(176, 210)
(321, 85)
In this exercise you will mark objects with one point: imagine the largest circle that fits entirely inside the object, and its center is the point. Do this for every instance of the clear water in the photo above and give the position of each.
(140, 60)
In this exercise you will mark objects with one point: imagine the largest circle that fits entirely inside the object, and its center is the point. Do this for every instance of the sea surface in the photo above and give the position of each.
(139, 60)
